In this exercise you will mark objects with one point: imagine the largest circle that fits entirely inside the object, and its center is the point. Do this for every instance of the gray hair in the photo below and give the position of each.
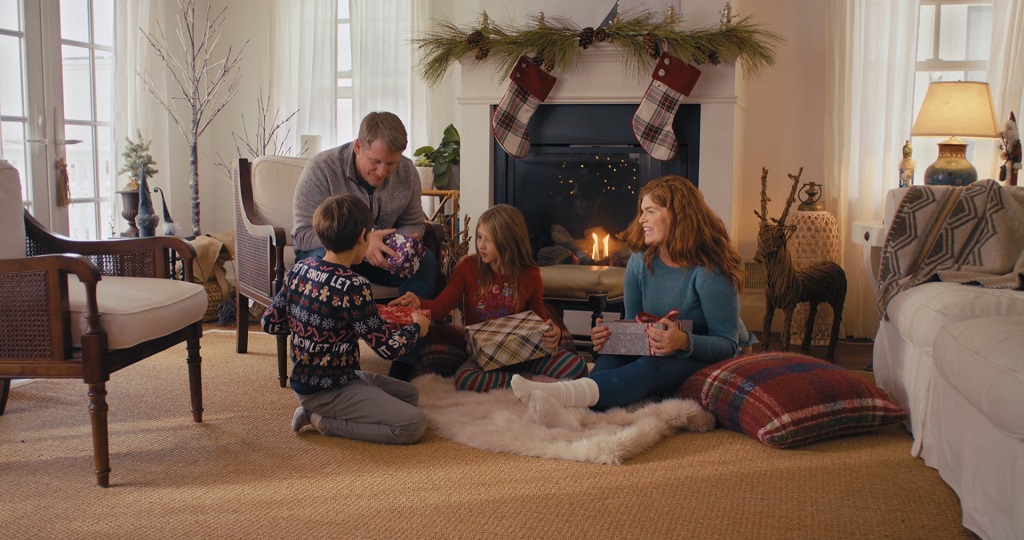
(383, 126)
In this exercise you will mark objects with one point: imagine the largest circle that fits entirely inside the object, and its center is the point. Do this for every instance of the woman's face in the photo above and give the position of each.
(654, 221)
(485, 246)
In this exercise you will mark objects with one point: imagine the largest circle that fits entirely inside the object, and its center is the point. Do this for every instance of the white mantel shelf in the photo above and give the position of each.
(602, 78)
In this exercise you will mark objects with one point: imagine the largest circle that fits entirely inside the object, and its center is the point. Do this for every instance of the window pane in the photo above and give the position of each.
(343, 9)
(77, 83)
(108, 219)
(11, 96)
(103, 22)
(346, 129)
(104, 78)
(979, 32)
(82, 218)
(74, 20)
(926, 33)
(12, 148)
(9, 19)
(80, 162)
(953, 33)
(107, 176)
(344, 47)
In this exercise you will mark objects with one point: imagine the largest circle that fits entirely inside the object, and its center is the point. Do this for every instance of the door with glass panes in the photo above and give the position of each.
(56, 66)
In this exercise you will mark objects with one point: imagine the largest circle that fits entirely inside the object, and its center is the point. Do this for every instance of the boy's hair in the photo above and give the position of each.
(385, 127)
(340, 222)
(511, 240)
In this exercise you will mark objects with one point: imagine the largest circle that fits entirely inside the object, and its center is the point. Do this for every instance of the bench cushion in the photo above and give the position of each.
(134, 310)
(576, 283)
(982, 360)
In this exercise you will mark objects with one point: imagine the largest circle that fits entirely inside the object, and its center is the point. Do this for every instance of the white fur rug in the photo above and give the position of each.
(496, 421)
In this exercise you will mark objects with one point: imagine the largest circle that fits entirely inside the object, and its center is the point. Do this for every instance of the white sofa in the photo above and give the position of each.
(953, 356)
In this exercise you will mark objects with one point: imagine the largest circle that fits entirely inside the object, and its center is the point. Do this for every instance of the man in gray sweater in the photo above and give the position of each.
(373, 168)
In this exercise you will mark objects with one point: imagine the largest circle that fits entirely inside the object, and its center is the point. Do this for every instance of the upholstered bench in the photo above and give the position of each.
(595, 288)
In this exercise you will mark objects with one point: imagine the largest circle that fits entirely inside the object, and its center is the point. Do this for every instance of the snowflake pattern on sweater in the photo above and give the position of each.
(327, 308)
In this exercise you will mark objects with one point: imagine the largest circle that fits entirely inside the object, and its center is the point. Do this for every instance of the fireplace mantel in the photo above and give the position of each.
(602, 78)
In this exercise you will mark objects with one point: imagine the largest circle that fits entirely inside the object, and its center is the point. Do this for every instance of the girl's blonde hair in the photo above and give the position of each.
(696, 235)
(511, 241)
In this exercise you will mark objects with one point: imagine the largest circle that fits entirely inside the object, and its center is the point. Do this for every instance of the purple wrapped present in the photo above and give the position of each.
(508, 340)
(629, 337)
(410, 252)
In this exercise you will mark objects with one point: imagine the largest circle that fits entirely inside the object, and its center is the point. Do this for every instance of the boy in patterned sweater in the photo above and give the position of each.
(327, 308)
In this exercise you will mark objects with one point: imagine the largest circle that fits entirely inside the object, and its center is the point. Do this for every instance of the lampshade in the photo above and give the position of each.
(955, 109)
(962, 109)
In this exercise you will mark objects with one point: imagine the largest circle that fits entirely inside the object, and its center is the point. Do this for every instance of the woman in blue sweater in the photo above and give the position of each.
(682, 260)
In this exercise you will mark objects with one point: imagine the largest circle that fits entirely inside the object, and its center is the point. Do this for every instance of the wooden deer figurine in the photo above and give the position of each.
(787, 286)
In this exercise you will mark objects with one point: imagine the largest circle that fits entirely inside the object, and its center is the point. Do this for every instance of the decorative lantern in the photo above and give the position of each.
(815, 240)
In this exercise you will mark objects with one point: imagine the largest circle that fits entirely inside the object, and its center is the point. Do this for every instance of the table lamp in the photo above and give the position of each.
(955, 109)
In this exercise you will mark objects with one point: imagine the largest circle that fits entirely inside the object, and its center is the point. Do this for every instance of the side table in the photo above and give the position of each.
(871, 236)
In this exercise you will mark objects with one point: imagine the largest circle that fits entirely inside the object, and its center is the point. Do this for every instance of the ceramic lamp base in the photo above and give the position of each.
(952, 167)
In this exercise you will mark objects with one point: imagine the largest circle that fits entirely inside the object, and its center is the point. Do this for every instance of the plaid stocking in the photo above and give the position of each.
(652, 123)
(530, 87)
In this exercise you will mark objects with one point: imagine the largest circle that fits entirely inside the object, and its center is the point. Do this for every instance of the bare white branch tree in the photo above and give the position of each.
(205, 82)
(269, 138)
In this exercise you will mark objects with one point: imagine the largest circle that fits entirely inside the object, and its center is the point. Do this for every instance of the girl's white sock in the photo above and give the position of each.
(544, 410)
(577, 393)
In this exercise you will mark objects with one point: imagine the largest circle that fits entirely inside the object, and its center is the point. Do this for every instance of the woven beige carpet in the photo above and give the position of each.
(242, 473)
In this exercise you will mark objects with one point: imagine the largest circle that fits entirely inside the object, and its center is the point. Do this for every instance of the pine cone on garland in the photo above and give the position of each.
(482, 52)
(476, 38)
(548, 65)
(586, 37)
(600, 34)
(651, 46)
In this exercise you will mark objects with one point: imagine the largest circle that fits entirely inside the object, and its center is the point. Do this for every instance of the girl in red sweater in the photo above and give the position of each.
(500, 279)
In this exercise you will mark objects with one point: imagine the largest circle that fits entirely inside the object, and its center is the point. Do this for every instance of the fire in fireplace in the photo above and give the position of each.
(577, 187)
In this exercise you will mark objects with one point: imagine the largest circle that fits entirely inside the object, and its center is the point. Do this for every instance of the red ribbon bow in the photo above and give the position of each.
(643, 317)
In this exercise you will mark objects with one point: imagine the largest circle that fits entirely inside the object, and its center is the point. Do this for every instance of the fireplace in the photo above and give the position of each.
(578, 185)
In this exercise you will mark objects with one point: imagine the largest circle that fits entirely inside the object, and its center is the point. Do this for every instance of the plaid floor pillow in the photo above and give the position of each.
(784, 399)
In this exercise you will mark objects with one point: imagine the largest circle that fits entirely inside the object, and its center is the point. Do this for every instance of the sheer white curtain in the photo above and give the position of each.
(382, 66)
(303, 67)
(135, 107)
(870, 63)
(1006, 60)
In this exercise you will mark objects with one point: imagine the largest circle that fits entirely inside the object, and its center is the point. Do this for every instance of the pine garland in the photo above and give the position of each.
(559, 44)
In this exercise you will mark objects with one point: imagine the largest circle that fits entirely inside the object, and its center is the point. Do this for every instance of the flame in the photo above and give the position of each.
(595, 250)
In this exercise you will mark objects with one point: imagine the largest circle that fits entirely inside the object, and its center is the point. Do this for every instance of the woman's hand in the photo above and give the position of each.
(406, 300)
(668, 341)
(551, 337)
(599, 335)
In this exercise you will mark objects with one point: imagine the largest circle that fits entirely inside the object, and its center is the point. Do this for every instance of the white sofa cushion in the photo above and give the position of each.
(134, 310)
(919, 312)
(982, 360)
(12, 216)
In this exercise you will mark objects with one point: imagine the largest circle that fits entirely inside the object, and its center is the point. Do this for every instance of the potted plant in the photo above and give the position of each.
(443, 161)
(136, 159)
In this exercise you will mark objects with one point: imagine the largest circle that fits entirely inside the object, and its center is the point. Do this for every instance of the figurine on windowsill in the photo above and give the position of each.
(907, 165)
(1011, 152)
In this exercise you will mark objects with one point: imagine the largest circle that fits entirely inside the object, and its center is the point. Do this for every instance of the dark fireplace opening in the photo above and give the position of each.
(577, 186)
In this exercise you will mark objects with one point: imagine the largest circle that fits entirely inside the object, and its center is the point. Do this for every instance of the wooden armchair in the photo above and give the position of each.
(264, 190)
(74, 309)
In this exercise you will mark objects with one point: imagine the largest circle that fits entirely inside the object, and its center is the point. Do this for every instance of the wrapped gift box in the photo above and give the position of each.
(400, 315)
(629, 337)
(507, 340)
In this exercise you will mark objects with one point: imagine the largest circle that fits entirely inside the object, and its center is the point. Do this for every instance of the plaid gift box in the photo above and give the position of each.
(507, 340)
(400, 315)
(629, 337)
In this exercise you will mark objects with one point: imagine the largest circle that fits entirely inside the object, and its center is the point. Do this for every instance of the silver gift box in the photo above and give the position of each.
(629, 337)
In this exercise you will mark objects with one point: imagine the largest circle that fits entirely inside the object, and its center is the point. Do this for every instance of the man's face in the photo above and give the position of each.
(376, 161)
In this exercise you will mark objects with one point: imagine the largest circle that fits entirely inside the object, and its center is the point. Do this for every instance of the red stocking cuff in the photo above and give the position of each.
(532, 78)
(675, 74)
